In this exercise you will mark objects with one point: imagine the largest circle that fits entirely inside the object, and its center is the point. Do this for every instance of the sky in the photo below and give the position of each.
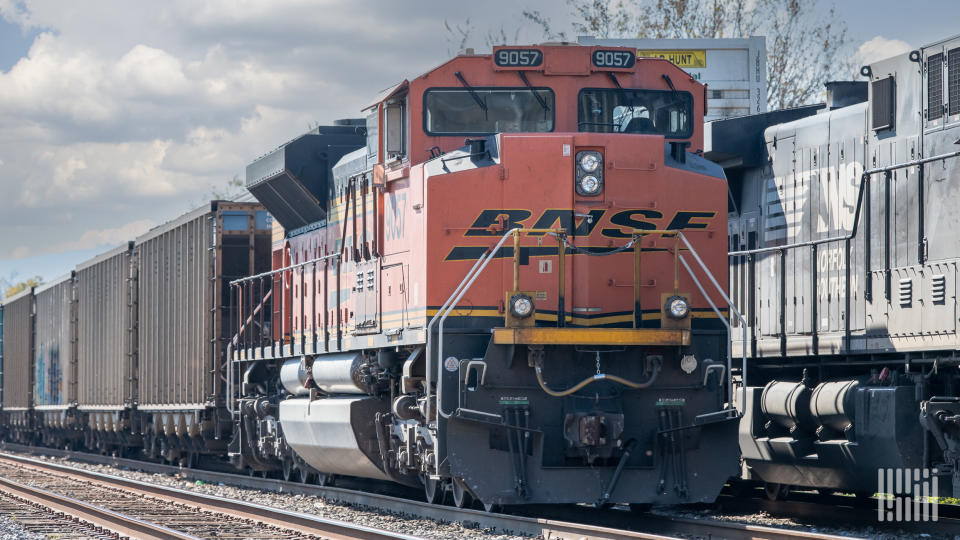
(118, 115)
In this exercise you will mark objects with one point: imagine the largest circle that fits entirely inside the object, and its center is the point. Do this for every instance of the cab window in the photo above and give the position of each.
(395, 129)
(484, 111)
(655, 112)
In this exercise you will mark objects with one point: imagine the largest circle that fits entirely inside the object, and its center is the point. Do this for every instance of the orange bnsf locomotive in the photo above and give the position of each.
(501, 284)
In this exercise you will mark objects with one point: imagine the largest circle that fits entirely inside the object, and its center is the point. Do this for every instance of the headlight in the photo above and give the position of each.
(588, 173)
(677, 307)
(590, 185)
(521, 306)
(590, 161)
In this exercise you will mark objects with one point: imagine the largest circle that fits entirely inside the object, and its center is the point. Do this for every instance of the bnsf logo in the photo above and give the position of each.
(494, 222)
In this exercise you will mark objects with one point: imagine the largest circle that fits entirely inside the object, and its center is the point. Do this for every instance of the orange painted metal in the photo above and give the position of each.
(429, 229)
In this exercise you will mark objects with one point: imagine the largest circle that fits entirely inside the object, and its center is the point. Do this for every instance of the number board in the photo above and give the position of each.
(613, 58)
(518, 58)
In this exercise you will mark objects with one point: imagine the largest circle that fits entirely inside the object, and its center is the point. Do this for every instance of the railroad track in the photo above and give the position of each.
(40, 518)
(141, 510)
(592, 523)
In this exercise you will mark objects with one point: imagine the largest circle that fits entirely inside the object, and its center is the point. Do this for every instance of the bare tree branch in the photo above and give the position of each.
(806, 46)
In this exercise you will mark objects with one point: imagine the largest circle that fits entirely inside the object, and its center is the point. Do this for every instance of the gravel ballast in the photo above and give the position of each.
(369, 517)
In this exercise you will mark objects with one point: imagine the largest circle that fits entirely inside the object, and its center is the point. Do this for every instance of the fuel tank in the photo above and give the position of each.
(335, 435)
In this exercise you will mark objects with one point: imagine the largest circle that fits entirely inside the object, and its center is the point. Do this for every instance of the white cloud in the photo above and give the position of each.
(91, 239)
(130, 112)
(106, 237)
(880, 48)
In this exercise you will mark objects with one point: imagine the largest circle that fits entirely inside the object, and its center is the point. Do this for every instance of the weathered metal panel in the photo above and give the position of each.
(18, 351)
(183, 269)
(106, 352)
(55, 365)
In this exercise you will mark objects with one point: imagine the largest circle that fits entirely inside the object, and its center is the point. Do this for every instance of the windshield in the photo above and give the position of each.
(457, 111)
(657, 112)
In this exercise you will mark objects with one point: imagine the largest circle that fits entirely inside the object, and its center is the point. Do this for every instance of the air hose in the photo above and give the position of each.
(595, 378)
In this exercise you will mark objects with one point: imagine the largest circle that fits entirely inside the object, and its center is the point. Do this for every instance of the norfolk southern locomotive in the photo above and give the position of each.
(844, 249)
(497, 284)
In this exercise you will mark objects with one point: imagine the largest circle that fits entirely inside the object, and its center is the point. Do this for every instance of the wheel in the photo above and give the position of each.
(461, 497)
(492, 508)
(304, 475)
(776, 492)
(640, 508)
(739, 488)
(432, 490)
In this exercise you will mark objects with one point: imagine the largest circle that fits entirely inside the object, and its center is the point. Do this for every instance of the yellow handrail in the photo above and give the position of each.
(561, 236)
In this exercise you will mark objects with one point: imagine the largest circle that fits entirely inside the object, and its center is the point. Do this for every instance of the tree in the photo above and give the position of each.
(805, 44)
(21, 286)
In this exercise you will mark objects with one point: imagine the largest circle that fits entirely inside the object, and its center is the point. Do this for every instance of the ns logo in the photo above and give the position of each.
(611, 224)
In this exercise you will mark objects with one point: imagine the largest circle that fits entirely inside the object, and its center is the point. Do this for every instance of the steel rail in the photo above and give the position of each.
(299, 522)
(656, 527)
(116, 522)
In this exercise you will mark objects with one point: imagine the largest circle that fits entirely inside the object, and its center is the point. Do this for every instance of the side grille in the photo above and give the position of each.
(953, 80)
(938, 289)
(882, 102)
(935, 87)
(906, 292)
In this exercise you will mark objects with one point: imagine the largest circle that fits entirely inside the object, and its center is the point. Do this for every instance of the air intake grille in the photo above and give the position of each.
(938, 289)
(953, 80)
(906, 292)
(935, 87)
(882, 102)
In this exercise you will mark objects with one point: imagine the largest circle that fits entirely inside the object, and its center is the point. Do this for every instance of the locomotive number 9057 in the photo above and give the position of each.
(518, 58)
(604, 58)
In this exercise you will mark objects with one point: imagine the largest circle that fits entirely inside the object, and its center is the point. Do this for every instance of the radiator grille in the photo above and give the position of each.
(883, 104)
(953, 80)
(938, 289)
(906, 292)
(935, 87)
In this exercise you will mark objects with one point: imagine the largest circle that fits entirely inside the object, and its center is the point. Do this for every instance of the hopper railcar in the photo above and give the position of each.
(18, 339)
(55, 362)
(844, 261)
(126, 354)
(497, 285)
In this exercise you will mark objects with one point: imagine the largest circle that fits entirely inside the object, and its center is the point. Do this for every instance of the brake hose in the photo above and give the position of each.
(595, 378)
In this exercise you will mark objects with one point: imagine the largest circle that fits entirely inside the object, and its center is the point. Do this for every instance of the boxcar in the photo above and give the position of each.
(18, 371)
(106, 351)
(184, 270)
(55, 359)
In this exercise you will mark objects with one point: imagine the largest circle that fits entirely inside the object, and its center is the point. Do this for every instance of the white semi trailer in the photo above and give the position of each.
(734, 70)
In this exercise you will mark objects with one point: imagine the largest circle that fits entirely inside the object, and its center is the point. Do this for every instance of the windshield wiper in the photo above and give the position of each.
(540, 100)
(473, 93)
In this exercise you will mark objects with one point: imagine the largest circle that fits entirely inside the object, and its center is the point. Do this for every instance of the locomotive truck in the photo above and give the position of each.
(844, 263)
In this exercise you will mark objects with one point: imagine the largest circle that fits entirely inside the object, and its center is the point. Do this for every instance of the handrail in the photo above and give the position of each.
(285, 268)
(236, 342)
(856, 217)
(454, 299)
(847, 238)
(467, 281)
(726, 323)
